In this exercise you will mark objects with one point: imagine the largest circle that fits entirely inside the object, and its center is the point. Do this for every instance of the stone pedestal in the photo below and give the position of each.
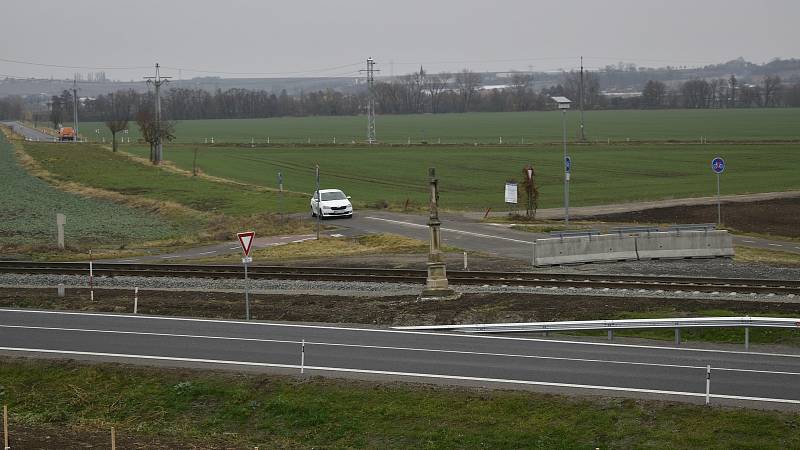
(436, 286)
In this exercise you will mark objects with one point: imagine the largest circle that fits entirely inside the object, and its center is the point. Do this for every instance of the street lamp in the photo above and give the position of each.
(563, 105)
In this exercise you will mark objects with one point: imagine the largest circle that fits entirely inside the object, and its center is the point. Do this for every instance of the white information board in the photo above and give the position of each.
(511, 193)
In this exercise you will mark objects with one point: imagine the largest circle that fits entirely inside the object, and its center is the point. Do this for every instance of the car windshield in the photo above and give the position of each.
(335, 195)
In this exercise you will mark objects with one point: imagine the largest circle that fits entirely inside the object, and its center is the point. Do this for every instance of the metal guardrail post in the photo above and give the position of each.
(610, 334)
(747, 339)
(677, 336)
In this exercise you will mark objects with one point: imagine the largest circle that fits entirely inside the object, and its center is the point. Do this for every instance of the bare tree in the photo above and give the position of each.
(653, 94)
(435, 85)
(119, 115)
(520, 87)
(467, 83)
(696, 93)
(146, 120)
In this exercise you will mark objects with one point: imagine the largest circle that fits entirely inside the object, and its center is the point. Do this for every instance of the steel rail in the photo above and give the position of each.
(415, 276)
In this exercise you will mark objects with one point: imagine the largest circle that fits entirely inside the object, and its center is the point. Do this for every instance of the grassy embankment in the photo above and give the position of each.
(182, 408)
(29, 206)
(537, 126)
(194, 209)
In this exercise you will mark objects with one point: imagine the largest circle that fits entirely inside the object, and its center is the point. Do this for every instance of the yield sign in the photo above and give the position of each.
(246, 239)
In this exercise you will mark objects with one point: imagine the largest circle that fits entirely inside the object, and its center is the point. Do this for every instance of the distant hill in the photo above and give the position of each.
(616, 78)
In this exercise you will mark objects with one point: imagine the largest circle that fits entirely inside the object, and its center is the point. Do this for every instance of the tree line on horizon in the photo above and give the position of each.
(417, 93)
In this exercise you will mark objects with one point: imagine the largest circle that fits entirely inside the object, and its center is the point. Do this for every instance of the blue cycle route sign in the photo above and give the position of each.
(718, 165)
(567, 164)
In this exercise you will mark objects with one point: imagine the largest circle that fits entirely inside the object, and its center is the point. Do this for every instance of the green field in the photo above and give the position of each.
(473, 177)
(98, 167)
(536, 126)
(29, 205)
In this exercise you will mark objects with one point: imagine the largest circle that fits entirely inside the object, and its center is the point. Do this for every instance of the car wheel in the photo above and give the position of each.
(313, 214)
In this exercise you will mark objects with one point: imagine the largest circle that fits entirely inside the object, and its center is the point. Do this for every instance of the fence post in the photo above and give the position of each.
(5, 428)
(708, 385)
(113, 439)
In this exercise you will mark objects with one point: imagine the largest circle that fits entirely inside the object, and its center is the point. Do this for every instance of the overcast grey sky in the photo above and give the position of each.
(294, 38)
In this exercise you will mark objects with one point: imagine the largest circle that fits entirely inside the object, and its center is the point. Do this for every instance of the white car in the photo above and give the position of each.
(334, 204)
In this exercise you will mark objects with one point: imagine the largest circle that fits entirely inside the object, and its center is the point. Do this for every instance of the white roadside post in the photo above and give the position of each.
(708, 385)
(718, 166)
(303, 356)
(136, 300)
(91, 277)
(246, 241)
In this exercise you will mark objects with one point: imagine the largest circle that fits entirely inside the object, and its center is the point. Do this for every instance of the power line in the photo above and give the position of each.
(298, 72)
(60, 66)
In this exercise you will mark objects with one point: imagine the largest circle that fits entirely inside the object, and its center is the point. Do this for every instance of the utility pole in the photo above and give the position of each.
(583, 134)
(75, 106)
(157, 81)
(370, 70)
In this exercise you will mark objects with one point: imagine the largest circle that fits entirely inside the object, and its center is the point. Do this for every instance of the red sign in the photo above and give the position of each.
(246, 240)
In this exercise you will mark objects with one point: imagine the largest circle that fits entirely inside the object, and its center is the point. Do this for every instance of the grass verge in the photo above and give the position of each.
(373, 244)
(770, 257)
(188, 408)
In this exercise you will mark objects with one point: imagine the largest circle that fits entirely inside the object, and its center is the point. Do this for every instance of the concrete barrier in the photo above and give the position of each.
(685, 244)
(622, 247)
(581, 249)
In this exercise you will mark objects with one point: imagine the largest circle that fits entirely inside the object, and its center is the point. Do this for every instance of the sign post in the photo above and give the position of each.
(246, 240)
(567, 170)
(280, 193)
(718, 166)
(319, 201)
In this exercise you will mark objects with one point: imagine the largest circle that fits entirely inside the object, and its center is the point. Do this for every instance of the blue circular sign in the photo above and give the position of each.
(567, 163)
(718, 165)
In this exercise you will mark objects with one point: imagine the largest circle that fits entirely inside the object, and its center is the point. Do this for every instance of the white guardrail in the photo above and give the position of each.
(622, 324)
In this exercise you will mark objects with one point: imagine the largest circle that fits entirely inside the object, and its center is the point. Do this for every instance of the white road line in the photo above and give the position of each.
(234, 248)
(171, 256)
(775, 245)
(337, 235)
(470, 233)
(402, 374)
(376, 330)
(750, 242)
(381, 347)
(207, 253)
(128, 260)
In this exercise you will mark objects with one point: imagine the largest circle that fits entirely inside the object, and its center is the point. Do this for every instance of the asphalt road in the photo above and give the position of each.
(28, 133)
(510, 362)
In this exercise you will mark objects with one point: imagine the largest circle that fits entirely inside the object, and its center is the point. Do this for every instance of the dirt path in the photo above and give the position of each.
(589, 211)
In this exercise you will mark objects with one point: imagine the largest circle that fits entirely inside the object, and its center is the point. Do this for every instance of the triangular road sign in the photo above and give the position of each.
(246, 239)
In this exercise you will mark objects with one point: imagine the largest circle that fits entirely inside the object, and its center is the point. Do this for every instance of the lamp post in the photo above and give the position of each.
(563, 105)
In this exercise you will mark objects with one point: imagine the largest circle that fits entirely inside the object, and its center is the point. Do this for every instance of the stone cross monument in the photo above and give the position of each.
(436, 287)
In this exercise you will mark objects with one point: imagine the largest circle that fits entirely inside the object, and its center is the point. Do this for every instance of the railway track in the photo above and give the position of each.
(414, 276)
